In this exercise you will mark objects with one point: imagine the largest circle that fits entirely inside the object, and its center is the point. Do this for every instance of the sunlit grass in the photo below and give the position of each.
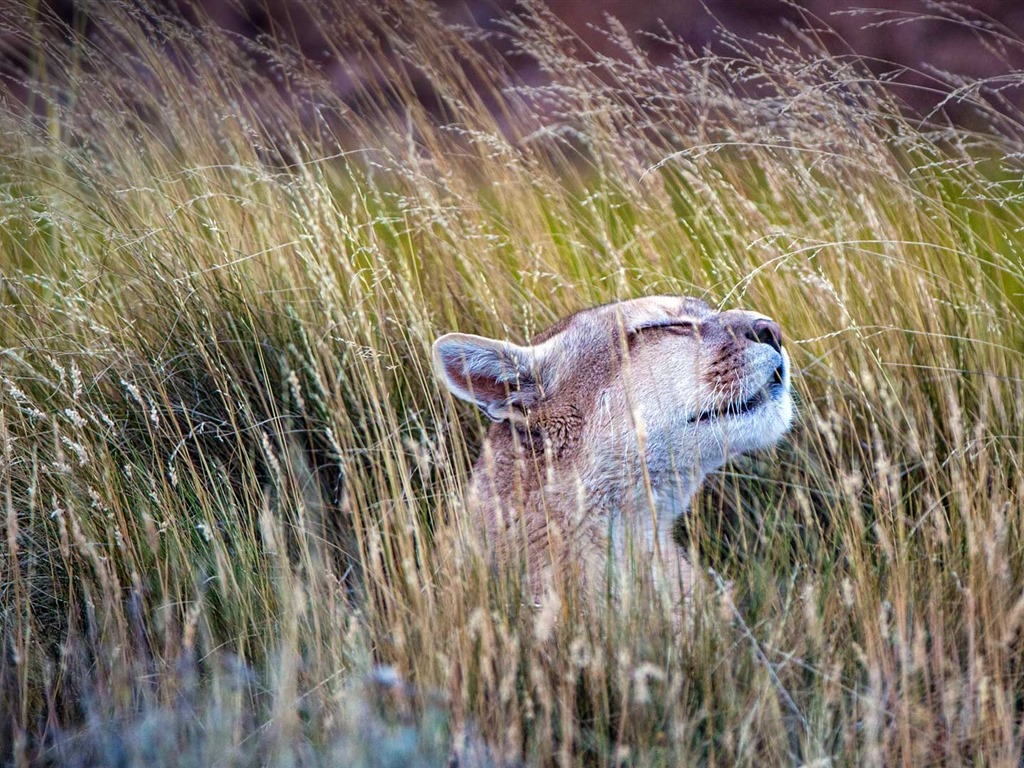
(232, 488)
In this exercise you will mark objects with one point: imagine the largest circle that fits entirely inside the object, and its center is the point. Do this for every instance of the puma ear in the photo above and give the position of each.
(501, 378)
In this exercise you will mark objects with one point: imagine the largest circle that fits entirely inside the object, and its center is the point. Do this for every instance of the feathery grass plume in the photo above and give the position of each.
(231, 487)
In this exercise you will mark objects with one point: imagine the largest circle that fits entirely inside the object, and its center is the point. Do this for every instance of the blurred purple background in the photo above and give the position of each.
(984, 43)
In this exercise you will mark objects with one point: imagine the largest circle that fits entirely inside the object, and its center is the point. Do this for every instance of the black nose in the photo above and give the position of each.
(764, 331)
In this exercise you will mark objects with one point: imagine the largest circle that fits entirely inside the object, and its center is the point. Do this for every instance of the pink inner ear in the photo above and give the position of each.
(485, 389)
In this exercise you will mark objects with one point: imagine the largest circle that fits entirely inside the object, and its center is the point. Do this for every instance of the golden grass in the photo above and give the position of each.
(232, 487)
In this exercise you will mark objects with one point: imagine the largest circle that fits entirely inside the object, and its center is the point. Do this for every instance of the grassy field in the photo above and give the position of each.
(230, 486)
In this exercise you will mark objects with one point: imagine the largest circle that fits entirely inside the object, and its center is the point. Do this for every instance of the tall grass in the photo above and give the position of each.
(233, 527)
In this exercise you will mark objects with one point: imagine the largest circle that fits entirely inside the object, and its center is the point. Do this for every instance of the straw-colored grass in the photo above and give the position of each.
(231, 487)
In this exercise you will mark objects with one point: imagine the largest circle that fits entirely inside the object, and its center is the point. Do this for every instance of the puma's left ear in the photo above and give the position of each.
(501, 378)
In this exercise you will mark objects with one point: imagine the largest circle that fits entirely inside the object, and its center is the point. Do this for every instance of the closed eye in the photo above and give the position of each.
(677, 327)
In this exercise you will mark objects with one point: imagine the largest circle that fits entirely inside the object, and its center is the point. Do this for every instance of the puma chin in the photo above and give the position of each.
(754, 413)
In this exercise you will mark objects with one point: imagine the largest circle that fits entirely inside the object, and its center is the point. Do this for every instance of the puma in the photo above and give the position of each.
(606, 425)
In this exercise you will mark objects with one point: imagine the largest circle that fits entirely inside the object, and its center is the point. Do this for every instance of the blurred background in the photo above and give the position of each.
(926, 49)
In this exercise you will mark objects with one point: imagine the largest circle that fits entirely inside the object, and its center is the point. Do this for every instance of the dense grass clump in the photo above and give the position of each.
(233, 529)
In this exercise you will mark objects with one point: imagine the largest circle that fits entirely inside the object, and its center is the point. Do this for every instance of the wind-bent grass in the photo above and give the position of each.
(231, 487)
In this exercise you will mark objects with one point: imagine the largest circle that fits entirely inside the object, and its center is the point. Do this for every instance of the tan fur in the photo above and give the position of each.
(602, 414)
